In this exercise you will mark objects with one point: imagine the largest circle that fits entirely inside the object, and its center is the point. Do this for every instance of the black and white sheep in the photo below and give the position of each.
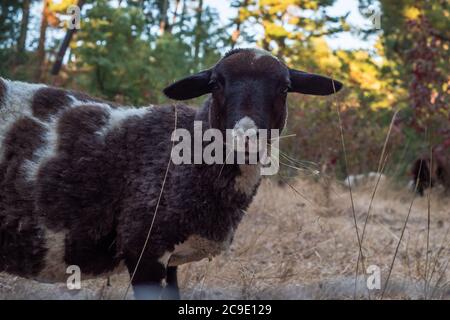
(80, 177)
(432, 170)
(355, 180)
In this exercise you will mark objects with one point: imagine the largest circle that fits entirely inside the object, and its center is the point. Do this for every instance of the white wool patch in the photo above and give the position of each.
(30, 169)
(41, 155)
(47, 152)
(54, 265)
(262, 53)
(119, 115)
(116, 115)
(196, 248)
(78, 103)
(250, 173)
(164, 260)
(18, 97)
(16, 104)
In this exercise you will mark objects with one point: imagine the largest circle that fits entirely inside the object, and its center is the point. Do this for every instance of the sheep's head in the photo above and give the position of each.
(249, 89)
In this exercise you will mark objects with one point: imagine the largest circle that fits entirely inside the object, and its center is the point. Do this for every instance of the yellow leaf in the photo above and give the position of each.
(411, 13)
(60, 6)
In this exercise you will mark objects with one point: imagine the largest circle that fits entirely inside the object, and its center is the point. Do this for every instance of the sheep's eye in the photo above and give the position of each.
(285, 89)
(214, 85)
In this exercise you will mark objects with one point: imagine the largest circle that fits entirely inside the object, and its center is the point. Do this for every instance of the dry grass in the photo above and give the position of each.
(292, 247)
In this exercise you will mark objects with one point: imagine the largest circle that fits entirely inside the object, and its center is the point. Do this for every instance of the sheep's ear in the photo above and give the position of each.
(309, 83)
(190, 87)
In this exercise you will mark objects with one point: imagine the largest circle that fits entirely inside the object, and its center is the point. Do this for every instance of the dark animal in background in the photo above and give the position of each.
(80, 178)
(431, 170)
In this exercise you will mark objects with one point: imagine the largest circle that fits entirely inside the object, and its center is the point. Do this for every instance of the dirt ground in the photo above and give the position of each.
(298, 241)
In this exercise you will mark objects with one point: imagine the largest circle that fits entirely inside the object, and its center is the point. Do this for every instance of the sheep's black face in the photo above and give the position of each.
(249, 89)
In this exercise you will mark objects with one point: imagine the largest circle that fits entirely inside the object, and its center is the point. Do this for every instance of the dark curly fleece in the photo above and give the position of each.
(100, 190)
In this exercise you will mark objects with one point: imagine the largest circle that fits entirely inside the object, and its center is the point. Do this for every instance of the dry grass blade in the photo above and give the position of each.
(301, 164)
(401, 237)
(284, 179)
(286, 136)
(442, 247)
(306, 167)
(441, 277)
(381, 165)
(295, 190)
(224, 163)
(205, 275)
(360, 257)
(293, 167)
(383, 152)
(428, 224)
(344, 149)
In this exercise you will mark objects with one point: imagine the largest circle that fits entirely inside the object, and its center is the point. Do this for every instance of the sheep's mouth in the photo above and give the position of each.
(249, 154)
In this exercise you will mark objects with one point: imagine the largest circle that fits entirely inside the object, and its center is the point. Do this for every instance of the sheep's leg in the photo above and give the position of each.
(148, 280)
(171, 291)
(148, 290)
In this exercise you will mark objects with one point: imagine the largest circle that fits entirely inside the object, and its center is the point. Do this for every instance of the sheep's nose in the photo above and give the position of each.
(245, 126)
(240, 132)
(245, 135)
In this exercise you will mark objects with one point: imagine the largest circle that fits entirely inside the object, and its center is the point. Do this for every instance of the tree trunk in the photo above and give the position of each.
(40, 55)
(175, 12)
(236, 33)
(23, 27)
(64, 45)
(175, 16)
(198, 29)
(182, 15)
(163, 21)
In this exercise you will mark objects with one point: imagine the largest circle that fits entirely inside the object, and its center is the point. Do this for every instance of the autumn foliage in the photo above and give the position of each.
(129, 50)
